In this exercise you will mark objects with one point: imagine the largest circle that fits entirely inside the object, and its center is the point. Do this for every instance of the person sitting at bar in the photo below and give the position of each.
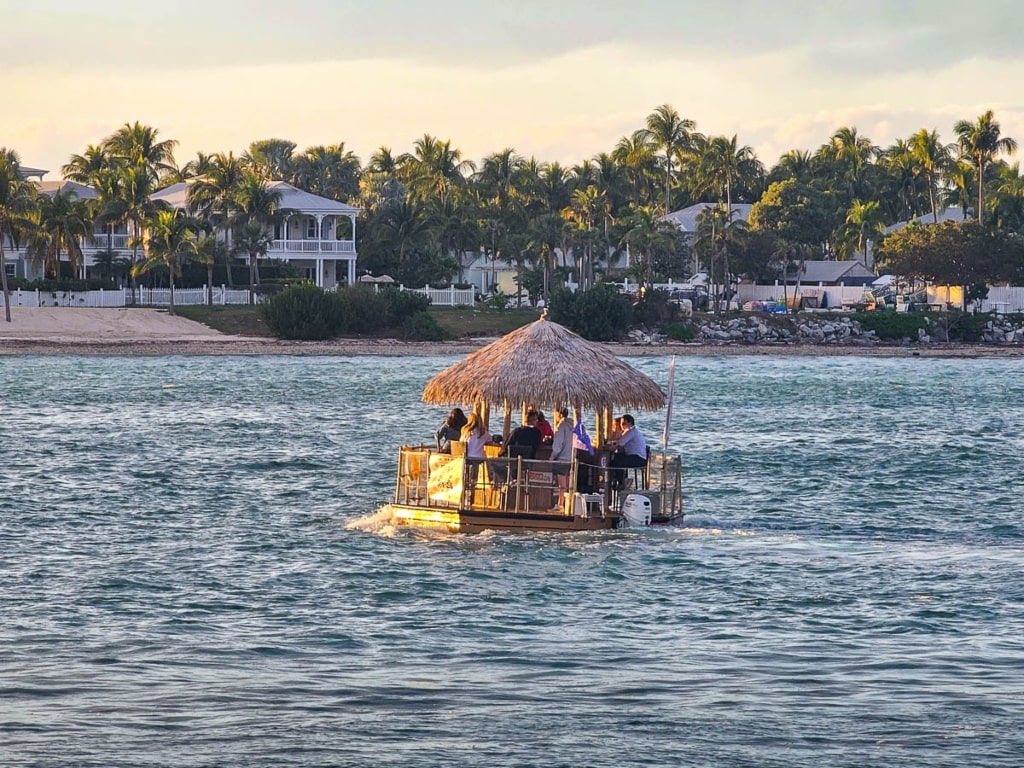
(450, 430)
(526, 435)
(547, 434)
(630, 451)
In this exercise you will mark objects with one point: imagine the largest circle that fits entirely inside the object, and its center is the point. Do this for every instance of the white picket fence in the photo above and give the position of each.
(183, 297)
(446, 297)
(122, 297)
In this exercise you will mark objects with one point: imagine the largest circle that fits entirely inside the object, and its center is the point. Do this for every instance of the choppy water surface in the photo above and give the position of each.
(192, 574)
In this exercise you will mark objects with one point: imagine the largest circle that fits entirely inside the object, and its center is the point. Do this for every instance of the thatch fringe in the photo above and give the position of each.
(544, 363)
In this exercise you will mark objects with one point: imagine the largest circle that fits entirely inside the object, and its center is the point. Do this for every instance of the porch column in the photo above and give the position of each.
(351, 271)
(320, 272)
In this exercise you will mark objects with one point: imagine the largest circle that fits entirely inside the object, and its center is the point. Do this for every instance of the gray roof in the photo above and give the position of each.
(28, 173)
(686, 218)
(292, 198)
(832, 271)
(307, 202)
(946, 214)
(82, 191)
(175, 195)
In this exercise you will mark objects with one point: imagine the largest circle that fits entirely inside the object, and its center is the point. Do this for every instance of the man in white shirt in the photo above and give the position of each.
(630, 451)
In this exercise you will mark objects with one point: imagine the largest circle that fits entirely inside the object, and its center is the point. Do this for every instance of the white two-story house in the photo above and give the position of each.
(316, 235)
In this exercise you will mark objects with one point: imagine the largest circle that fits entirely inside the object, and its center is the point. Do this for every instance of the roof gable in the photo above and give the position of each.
(306, 202)
(686, 218)
(833, 271)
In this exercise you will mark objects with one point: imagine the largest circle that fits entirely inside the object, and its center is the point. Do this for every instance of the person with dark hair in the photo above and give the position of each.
(547, 434)
(630, 451)
(527, 435)
(450, 430)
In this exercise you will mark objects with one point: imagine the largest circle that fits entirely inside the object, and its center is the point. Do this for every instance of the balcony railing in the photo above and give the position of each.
(313, 246)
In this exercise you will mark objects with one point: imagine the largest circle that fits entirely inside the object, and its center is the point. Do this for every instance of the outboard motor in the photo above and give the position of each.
(636, 511)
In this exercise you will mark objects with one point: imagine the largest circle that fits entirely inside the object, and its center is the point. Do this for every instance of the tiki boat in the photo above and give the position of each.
(541, 363)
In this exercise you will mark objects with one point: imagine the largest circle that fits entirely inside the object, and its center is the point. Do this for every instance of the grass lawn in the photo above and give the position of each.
(233, 319)
(459, 322)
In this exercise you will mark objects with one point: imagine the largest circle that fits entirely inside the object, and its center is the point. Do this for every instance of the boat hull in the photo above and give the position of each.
(477, 521)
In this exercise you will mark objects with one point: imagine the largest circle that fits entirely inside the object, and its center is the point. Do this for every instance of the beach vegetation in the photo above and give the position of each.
(426, 214)
(307, 313)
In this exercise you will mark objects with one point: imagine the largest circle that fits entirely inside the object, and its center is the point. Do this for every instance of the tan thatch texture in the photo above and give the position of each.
(544, 363)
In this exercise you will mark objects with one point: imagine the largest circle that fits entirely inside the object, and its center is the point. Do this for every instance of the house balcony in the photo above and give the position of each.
(313, 246)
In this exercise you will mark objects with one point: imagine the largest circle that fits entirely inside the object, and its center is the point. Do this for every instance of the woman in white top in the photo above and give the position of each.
(474, 436)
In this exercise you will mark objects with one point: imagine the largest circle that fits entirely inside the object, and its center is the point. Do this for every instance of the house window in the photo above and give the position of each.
(277, 232)
(311, 233)
(311, 274)
(9, 268)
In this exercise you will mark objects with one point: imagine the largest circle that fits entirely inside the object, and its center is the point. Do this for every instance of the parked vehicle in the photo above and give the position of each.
(697, 295)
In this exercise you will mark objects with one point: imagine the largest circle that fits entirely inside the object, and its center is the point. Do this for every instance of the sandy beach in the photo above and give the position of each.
(81, 331)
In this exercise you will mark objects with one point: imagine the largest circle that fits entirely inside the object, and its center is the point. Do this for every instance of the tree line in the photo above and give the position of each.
(421, 209)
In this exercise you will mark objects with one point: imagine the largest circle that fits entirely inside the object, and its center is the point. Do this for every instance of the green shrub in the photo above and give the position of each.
(399, 306)
(892, 326)
(423, 326)
(305, 312)
(499, 300)
(680, 332)
(653, 309)
(600, 314)
(962, 326)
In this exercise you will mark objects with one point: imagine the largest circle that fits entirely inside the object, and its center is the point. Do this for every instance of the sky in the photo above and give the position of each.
(559, 80)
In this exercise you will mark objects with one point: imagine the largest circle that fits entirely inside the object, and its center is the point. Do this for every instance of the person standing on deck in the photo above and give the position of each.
(561, 448)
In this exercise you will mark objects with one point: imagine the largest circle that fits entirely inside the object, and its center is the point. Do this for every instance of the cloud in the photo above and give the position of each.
(872, 37)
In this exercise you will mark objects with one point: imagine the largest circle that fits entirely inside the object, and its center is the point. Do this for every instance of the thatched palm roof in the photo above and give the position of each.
(544, 363)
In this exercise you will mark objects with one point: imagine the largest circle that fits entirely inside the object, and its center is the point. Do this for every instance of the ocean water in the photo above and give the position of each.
(194, 571)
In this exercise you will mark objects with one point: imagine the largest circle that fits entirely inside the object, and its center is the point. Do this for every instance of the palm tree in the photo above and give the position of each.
(981, 141)
(671, 134)
(170, 239)
(17, 201)
(407, 225)
(255, 208)
(64, 222)
(648, 235)
(796, 164)
(210, 250)
(212, 196)
(864, 223)
(435, 168)
(137, 183)
(137, 145)
(252, 241)
(548, 233)
(271, 159)
(585, 207)
(852, 154)
(636, 155)
(331, 172)
(932, 157)
(101, 170)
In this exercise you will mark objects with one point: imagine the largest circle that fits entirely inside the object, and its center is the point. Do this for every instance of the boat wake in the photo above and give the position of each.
(381, 523)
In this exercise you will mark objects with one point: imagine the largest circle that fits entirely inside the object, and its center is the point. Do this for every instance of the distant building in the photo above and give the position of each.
(946, 214)
(317, 234)
(832, 273)
(687, 218)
